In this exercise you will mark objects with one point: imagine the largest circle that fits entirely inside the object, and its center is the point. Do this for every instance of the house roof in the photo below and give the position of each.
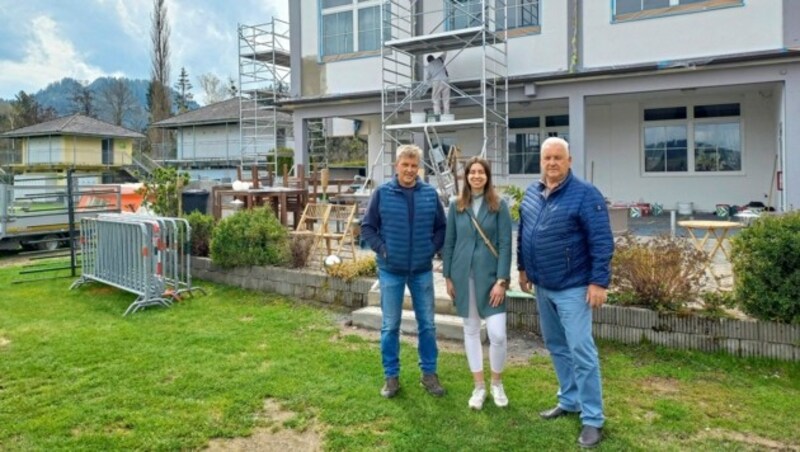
(223, 112)
(76, 124)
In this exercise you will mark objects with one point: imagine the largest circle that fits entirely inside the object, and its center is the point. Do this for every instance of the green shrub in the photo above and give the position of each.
(766, 268)
(202, 228)
(250, 237)
(661, 274)
(516, 195)
(350, 270)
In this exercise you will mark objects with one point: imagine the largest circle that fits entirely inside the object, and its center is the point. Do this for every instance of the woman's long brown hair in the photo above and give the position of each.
(489, 194)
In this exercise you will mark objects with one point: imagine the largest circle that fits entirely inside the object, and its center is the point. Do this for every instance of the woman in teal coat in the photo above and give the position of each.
(477, 265)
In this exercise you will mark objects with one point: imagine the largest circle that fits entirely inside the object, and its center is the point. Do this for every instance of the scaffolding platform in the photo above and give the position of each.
(444, 41)
(441, 126)
(277, 57)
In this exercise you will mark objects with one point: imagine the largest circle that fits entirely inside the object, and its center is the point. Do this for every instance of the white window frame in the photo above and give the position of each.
(689, 123)
(353, 8)
(674, 7)
(544, 133)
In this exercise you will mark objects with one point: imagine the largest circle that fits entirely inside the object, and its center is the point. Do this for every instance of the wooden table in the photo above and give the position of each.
(281, 199)
(718, 230)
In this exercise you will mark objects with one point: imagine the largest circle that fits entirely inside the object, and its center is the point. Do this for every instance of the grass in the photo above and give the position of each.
(76, 375)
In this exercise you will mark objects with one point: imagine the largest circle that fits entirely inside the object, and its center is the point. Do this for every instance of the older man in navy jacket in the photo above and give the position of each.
(565, 247)
(405, 226)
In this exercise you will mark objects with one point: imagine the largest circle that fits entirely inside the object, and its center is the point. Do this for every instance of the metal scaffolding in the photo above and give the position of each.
(264, 79)
(464, 29)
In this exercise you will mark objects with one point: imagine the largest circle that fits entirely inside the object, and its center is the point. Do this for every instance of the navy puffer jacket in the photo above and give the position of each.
(405, 227)
(565, 240)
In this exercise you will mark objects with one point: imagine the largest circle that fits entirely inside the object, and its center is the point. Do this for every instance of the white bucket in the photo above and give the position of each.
(417, 118)
(685, 208)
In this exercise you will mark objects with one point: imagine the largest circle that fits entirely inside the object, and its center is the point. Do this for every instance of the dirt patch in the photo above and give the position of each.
(11, 258)
(273, 436)
(520, 348)
(748, 439)
(662, 386)
(4, 342)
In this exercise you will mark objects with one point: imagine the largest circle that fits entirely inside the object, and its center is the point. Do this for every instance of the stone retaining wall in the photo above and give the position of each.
(634, 325)
(302, 284)
(623, 324)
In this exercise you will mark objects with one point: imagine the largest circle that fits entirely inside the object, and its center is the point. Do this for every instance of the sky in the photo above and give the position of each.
(43, 41)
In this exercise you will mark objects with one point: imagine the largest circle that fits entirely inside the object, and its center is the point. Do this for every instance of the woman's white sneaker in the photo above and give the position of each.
(499, 396)
(478, 396)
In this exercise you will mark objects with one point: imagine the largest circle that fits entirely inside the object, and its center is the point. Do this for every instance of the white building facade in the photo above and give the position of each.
(662, 101)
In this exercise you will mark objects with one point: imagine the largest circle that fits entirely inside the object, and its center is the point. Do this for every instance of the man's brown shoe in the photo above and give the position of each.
(555, 413)
(391, 387)
(432, 385)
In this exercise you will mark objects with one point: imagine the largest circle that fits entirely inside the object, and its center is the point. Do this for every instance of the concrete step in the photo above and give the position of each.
(447, 326)
(442, 304)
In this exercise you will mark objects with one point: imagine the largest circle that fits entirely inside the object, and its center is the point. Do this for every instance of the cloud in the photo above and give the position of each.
(48, 57)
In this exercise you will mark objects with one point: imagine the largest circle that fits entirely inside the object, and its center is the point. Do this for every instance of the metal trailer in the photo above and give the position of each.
(35, 213)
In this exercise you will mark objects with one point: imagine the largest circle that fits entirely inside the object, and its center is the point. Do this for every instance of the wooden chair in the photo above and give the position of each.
(312, 225)
(338, 234)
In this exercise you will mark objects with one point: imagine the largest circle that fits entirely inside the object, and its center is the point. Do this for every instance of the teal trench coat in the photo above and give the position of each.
(466, 253)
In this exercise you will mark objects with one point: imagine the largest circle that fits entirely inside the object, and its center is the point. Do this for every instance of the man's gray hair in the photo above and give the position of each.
(409, 151)
(556, 141)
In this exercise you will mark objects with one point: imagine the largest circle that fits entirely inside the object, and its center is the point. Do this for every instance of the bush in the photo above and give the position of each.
(766, 267)
(300, 248)
(250, 237)
(516, 194)
(661, 274)
(350, 270)
(202, 229)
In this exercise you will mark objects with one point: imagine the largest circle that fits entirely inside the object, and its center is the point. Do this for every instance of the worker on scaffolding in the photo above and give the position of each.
(436, 74)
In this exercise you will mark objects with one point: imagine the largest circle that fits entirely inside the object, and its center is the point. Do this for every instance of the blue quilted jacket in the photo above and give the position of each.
(565, 240)
(405, 228)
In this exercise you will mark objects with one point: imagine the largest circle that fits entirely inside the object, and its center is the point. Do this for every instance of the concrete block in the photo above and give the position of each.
(779, 333)
(739, 329)
(447, 326)
(637, 318)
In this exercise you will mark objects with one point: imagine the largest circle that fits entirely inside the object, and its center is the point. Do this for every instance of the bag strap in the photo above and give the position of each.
(482, 234)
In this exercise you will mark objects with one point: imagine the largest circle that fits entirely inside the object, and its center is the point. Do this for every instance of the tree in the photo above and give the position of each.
(232, 90)
(26, 111)
(213, 89)
(82, 100)
(118, 99)
(183, 96)
(159, 99)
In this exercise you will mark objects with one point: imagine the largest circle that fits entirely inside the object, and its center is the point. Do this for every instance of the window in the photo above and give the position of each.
(463, 14)
(350, 26)
(525, 138)
(715, 144)
(521, 13)
(638, 9)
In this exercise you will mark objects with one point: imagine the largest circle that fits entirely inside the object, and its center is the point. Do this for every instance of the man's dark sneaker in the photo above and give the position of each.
(555, 413)
(432, 385)
(391, 387)
(590, 436)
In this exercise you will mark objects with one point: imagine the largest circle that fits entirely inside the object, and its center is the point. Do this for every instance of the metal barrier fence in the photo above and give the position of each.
(147, 256)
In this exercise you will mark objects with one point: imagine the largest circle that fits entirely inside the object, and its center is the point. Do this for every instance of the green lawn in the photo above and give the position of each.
(76, 375)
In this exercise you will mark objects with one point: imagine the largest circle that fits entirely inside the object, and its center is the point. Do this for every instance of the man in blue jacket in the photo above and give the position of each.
(564, 249)
(405, 225)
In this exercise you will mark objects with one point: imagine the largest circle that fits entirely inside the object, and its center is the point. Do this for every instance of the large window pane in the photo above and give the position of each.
(634, 6)
(521, 13)
(337, 33)
(369, 28)
(463, 14)
(665, 149)
(718, 147)
(523, 153)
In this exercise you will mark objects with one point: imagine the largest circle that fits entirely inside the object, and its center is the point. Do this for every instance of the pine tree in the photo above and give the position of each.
(183, 87)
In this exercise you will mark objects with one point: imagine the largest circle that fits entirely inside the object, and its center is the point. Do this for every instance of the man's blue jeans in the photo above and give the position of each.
(392, 291)
(566, 321)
